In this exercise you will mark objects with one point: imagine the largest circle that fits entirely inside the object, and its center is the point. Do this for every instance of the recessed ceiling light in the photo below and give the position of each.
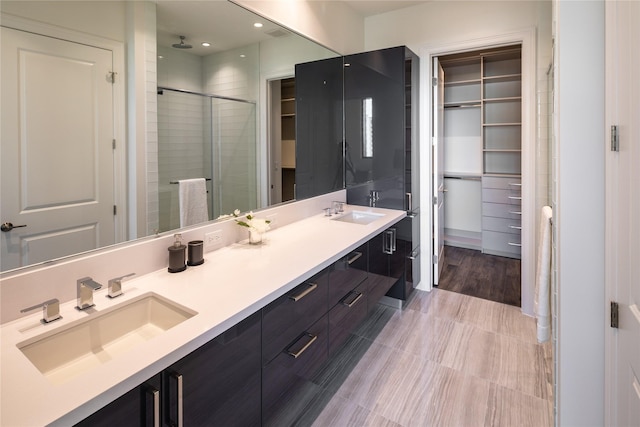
(206, 44)
(160, 57)
(243, 56)
(258, 25)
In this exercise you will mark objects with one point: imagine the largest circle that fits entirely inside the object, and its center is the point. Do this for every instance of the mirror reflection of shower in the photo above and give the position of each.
(211, 137)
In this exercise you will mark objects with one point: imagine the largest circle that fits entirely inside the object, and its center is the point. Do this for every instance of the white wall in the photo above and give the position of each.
(579, 210)
(331, 23)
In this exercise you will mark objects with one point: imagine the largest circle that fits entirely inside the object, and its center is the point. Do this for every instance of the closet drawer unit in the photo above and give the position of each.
(346, 316)
(514, 184)
(287, 317)
(501, 210)
(497, 195)
(503, 244)
(501, 225)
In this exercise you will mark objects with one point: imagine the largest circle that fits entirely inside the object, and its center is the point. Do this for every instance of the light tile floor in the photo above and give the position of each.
(447, 359)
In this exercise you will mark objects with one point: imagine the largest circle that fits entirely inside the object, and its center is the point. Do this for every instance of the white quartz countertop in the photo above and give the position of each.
(234, 282)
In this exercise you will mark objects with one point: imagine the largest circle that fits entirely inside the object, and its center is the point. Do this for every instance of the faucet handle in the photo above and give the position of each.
(115, 285)
(50, 310)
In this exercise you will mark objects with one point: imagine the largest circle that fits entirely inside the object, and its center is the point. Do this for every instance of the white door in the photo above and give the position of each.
(623, 212)
(438, 169)
(56, 145)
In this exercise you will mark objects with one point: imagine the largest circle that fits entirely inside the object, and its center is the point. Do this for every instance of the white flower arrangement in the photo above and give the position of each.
(252, 223)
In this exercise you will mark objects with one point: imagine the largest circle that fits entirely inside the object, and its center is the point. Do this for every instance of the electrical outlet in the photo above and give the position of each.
(213, 240)
(274, 220)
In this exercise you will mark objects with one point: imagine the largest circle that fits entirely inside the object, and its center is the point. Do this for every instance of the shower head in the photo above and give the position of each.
(182, 44)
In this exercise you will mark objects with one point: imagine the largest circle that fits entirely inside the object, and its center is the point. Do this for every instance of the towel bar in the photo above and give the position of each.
(175, 182)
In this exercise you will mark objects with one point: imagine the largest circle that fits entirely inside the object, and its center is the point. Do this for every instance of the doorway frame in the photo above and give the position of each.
(527, 39)
(120, 174)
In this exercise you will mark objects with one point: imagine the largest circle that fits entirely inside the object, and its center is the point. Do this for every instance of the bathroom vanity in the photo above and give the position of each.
(258, 319)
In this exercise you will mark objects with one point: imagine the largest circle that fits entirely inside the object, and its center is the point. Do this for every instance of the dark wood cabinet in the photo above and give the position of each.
(319, 117)
(217, 384)
(287, 317)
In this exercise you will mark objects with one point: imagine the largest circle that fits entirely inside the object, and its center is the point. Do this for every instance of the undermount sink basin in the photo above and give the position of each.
(87, 343)
(359, 217)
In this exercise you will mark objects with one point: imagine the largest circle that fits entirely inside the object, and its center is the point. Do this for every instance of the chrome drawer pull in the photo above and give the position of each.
(354, 258)
(515, 197)
(312, 287)
(515, 184)
(514, 244)
(304, 348)
(358, 295)
(155, 396)
(180, 421)
(515, 227)
(515, 212)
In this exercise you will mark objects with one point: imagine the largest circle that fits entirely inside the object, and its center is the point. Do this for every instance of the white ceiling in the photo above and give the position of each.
(227, 26)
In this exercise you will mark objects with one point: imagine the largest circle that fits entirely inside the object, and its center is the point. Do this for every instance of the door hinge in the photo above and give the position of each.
(615, 138)
(113, 144)
(115, 210)
(614, 314)
(434, 81)
(435, 259)
(111, 77)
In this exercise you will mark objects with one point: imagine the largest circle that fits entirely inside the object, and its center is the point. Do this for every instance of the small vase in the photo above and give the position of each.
(255, 237)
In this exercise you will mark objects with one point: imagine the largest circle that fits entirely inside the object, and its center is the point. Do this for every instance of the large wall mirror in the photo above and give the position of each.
(219, 112)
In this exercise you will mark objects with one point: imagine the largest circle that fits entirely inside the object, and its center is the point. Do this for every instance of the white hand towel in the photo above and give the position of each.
(193, 201)
(542, 303)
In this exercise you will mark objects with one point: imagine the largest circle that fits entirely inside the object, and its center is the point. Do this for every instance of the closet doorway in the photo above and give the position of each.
(482, 170)
(282, 139)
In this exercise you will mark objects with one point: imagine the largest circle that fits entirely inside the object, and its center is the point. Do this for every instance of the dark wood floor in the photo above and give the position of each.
(473, 273)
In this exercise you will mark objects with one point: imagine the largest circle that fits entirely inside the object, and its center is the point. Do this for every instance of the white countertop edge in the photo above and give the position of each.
(28, 398)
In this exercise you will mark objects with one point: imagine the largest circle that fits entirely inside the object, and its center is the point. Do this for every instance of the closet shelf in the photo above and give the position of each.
(462, 82)
(501, 124)
(504, 77)
(501, 150)
(463, 104)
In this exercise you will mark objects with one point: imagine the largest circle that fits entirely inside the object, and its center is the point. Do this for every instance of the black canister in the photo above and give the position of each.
(196, 256)
(177, 255)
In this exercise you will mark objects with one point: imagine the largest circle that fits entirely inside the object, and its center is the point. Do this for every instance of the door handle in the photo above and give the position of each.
(7, 226)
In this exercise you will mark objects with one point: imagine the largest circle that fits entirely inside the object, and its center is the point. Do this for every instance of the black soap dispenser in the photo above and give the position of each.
(177, 255)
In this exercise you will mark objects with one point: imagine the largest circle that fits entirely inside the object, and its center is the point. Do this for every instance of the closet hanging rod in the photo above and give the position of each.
(175, 182)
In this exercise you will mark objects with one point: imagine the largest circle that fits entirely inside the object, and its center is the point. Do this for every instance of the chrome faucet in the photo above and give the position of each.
(115, 285)
(50, 310)
(85, 287)
(374, 196)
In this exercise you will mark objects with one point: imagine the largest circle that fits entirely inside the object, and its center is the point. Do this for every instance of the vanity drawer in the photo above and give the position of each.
(496, 195)
(501, 210)
(346, 316)
(288, 316)
(502, 225)
(292, 369)
(503, 244)
(347, 273)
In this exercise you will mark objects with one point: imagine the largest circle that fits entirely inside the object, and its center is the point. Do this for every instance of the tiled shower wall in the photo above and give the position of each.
(204, 137)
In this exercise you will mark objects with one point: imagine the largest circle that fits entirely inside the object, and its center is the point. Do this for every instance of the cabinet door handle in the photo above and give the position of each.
(389, 241)
(312, 287)
(179, 422)
(358, 297)
(154, 394)
(515, 227)
(409, 202)
(514, 244)
(515, 197)
(414, 254)
(304, 348)
(354, 258)
(515, 212)
(515, 184)
(393, 240)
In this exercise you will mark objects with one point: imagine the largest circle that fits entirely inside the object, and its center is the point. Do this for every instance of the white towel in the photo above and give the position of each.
(193, 201)
(542, 303)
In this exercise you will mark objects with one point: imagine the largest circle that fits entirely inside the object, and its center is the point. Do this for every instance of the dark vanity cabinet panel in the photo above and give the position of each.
(319, 118)
(348, 289)
(286, 318)
(286, 376)
(139, 407)
(221, 381)
(388, 253)
(217, 384)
